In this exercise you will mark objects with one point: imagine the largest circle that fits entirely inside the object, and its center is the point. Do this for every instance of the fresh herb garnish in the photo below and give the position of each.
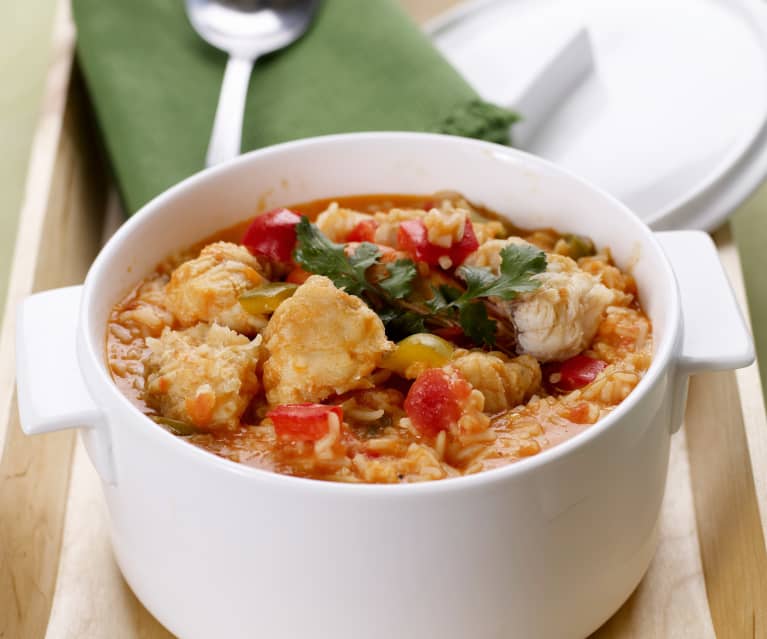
(401, 323)
(405, 313)
(399, 283)
(476, 323)
(519, 263)
(317, 254)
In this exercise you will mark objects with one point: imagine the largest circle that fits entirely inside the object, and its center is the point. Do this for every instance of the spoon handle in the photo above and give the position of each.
(226, 138)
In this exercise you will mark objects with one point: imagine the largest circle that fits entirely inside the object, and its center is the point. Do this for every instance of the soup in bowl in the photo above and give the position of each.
(210, 433)
(393, 339)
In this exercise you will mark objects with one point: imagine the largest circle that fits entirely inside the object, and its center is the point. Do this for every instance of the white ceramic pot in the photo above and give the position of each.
(548, 547)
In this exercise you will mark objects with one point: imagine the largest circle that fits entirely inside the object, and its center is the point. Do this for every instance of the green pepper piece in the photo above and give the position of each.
(266, 298)
(579, 246)
(176, 426)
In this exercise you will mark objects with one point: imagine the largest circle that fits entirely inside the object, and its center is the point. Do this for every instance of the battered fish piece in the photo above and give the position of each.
(204, 375)
(559, 319)
(504, 382)
(321, 341)
(207, 288)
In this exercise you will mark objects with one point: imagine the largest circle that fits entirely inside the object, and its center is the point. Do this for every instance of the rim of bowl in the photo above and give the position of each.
(92, 358)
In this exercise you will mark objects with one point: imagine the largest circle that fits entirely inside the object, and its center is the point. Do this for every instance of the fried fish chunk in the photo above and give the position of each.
(204, 375)
(321, 341)
(504, 382)
(208, 288)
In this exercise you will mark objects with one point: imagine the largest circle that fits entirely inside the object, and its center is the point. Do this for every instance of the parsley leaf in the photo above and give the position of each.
(442, 299)
(519, 263)
(364, 257)
(478, 280)
(476, 324)
(401, 323)
(399, 284)
(317, 254)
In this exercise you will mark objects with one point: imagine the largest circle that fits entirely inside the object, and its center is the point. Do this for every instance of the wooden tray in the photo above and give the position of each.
(58, 578)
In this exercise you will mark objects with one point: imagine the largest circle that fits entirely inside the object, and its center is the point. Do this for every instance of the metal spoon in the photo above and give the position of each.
(246, 30)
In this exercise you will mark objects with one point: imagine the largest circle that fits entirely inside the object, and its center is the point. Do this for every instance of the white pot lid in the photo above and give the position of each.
(669, 114)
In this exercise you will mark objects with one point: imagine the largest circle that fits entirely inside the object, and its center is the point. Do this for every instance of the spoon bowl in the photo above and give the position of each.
(250, 28)
(246, 30)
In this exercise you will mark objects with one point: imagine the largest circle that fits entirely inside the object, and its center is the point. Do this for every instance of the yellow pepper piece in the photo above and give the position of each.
(422, 349)
(266, 298)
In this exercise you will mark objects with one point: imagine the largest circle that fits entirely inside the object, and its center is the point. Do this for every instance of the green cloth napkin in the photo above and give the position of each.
(363, 66)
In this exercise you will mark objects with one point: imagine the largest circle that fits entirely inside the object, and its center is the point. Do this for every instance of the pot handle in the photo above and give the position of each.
(49, 385)
(715, 335)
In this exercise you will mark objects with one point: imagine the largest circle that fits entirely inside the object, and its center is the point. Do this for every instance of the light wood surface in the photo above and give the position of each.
(723, 453)
(59, 236)
(706, 580)
(729, 527)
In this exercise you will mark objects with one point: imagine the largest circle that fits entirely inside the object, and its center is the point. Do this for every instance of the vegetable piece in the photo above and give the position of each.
(365, 231)
(422, 348)
(451, 333)
(413, 237)
(303, 422)
(176, 426)
(575, 372)
(578, 246)
(298, 276)
(266, 299)
(273, 235)
(464, 248)
(436, 400)
(581, 414)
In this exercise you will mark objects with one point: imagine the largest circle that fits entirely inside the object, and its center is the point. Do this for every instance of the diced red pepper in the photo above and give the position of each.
(466, 246)
(450, 333)
(575, 372)
(436, 400)
(303, 422)
(298, 276)
(365, 231)
(413, 237)
(580, 413)
(273, 235)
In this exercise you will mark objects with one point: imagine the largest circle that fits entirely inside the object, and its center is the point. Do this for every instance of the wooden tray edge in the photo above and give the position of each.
(60, 202)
